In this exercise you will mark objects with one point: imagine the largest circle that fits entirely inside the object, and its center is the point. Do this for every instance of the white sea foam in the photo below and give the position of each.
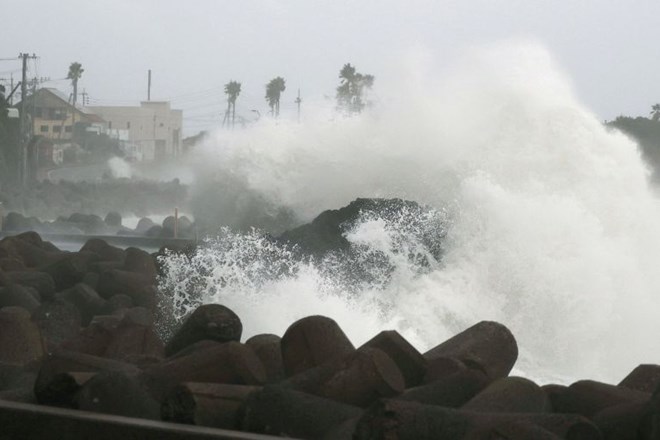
(120, 168)
(551, 225)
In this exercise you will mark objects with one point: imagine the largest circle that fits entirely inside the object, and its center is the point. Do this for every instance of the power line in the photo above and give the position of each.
(171, 98)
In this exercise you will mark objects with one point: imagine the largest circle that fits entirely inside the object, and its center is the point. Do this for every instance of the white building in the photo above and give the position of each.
(154, 129)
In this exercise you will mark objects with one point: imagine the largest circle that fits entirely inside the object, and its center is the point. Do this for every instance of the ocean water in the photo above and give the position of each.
(546, 220)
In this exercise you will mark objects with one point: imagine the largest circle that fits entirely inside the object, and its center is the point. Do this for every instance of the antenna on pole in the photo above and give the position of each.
(149, 86)
(298, 101)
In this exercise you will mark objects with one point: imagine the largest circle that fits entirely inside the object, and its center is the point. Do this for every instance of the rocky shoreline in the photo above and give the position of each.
(77, 331)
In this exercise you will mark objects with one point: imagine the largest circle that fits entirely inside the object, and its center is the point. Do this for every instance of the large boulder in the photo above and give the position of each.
(210, 321)
(327, 231)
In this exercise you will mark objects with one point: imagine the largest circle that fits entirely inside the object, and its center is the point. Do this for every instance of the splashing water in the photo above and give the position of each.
(252, 273)
(550, 225)
(119, 168)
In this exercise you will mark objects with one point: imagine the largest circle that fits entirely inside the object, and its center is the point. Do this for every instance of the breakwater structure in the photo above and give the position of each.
(81, 357)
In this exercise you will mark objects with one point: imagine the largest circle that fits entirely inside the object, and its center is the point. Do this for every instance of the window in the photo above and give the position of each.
(57, 128)
(43, 129)
(67, 129)
(57, 114)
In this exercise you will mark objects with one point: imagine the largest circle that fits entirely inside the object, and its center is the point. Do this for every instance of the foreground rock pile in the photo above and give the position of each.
(76, 331)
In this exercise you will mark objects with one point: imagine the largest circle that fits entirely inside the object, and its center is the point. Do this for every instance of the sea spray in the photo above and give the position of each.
(119, 168)
(552, 227)
(252, 273)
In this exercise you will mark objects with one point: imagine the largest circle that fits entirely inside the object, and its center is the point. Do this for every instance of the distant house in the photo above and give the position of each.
(53, 115)
(154, 129)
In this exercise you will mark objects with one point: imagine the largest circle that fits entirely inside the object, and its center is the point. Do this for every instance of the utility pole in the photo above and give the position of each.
(24, 140)
(149, 86)
(298, 101)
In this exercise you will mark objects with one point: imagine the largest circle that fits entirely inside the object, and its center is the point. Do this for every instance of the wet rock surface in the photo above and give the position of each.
(70, 344)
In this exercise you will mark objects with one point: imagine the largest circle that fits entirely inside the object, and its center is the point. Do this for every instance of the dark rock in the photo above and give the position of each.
(451, 391)
(17, 295)
(14, 376)
(20, 395)
(168, 226)
(50, 391)
(522, 430)
(645, 377)
(358, 379)
(554, 393)
(138, 287)
(441, 367)
(186, 227)
(16, 222)
(91, 279)
(210, 321)
(113, 392)
(136, 315)
(116, 337)
(154, 231)
(312, 341)
(288, 413)
(58, 322)
(85, 298)
(113, 218)
(144, 224)
(105, 251)
(61, 388)
(89, 223)
(510, 395)
(268, 348)
(207, 404)
(407, 420)
(70, 269)
(9, 264)
(623, 421)
(487, 345)
(229, 363)
(411, 363)
(139, 261)
(130, 340)
(119, 302)
(41, 282)
(588, 397)
(327, 231)
(20, 339)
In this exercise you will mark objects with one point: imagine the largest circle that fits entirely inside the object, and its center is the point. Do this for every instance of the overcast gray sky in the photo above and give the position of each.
(609, 48)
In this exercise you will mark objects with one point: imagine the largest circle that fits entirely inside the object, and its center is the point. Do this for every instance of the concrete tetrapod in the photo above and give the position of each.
(487, 345)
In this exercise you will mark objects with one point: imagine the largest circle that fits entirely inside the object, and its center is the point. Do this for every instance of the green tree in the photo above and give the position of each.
(274, 89)
(352, 88)
(75, 72)
(232, 90)
(655, 112)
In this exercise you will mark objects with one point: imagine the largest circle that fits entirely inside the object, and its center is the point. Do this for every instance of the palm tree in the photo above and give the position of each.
(351, 89)
(232, 90)
(655, 112)
(344, 91)
(75, 72)
(274, 89)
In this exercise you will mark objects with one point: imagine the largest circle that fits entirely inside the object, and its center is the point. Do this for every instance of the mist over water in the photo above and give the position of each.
(548, 222)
